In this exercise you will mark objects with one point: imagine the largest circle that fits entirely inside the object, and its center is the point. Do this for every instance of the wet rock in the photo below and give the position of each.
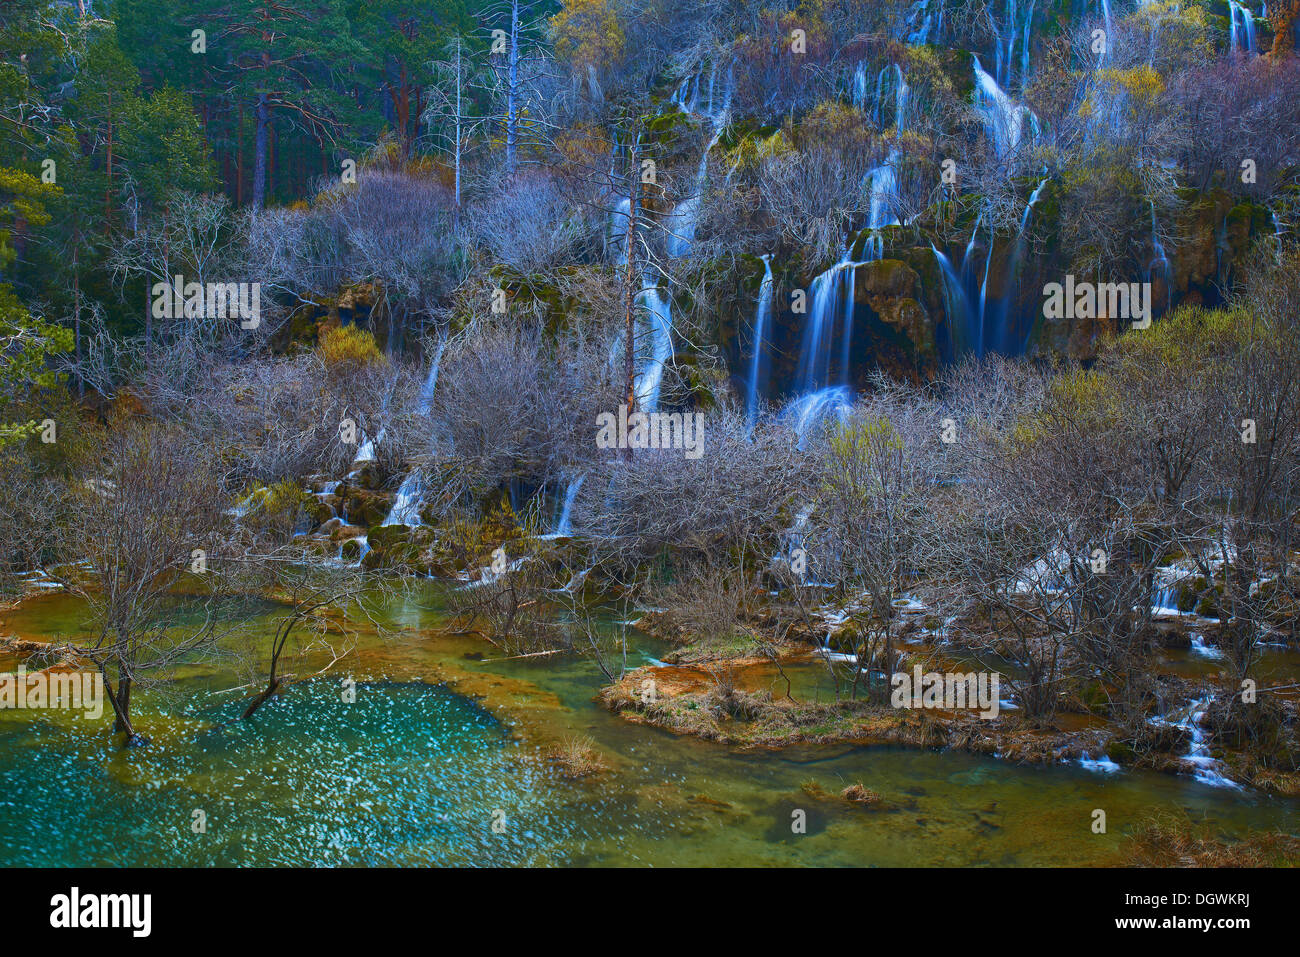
(365, 507)
(341, 532)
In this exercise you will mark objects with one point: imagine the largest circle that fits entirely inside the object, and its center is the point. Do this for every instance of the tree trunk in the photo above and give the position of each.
(259, 152)
(512, 90)
(108, 154)
(239, 159)
(630, 290)
(120, 700)
(1282, 14)
(273, 687)
(76, 313)
(402, 111)
(455, 222)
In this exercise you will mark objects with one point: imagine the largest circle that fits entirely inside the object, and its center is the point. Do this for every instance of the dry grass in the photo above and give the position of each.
(577, 758)
(862, 796)
(1171, 839)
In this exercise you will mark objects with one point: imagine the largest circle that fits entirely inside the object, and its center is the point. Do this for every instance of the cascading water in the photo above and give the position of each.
(859, 92)
(1005, 337)
(616, 239)
(681, 221)
(883, 180)
(659, 318)
(406, 506)
(758, 366)
(1110, 32)
(814, 369)
(807, 410)
(1014, 28)
(956, 303)
(1024, 51)
(1160, 260)
(1198, 749)
(1006, 39)
(976, 321)
(921, 21)
(824, 372)
(431, 380)
(1004, 119)
(1243, 36)
(564, 526)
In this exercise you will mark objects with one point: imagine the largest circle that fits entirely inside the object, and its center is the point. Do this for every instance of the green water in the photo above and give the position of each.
(414, 772)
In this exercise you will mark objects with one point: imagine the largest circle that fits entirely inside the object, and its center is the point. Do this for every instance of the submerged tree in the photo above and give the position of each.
(140, 524)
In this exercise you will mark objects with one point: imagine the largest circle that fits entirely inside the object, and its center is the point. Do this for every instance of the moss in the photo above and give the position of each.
(1121, 752)
(392, 546)
(1208, 606)
(1187, 592)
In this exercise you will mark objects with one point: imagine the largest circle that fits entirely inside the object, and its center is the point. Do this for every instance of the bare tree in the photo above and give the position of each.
(142, 520)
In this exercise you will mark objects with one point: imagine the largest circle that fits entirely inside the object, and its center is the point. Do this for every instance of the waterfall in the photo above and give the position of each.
(1161, 260)
(617, 238)
(564, 526)
(1240, 14)
(660, 320)
(893, 73)
(687, 95)
(1110, 32)
(681, 221)
(758, 364)
(1005, 45)
(993, 324)
(807, 410)
(1003, 332)
(920, 20)
(984, 292)
(1004, 119)
(431, 380)
(883, 180)
(859, 92)
(977, 328)
(366, 453)
(813, 372)
(957, 304)
(884, 189)
(1024, 52)
(1198, 748)
(816, 394)
(1015, 28)
(406, 507)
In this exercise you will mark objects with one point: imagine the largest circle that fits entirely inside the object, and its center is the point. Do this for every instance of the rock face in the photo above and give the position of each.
(396, 545)
(899, 316)
(890, 322)
(363, 506)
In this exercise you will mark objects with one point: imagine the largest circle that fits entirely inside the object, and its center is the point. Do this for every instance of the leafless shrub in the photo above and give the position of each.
(529, 223)
(735, 499)
(511, 405)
